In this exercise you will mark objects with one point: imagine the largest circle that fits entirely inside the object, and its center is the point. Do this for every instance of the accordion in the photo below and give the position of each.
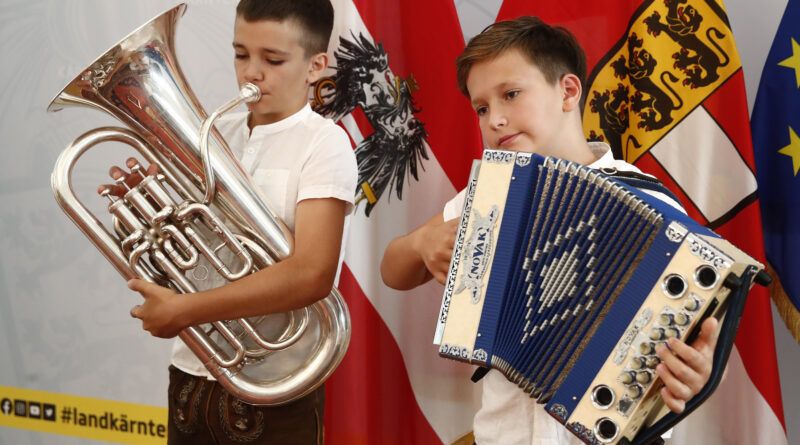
(566, 279)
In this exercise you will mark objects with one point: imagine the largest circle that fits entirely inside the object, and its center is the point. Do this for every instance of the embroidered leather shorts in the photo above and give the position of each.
(201, 412)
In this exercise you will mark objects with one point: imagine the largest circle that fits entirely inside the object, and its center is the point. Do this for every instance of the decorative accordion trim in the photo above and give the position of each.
(498, 157)
(584, 433)
(676, 232)
(630, 335)
(559, 412)
(708, 253)
(457, 252)
(480, 355)
(478, 249)
(523, 159)
(454, 351)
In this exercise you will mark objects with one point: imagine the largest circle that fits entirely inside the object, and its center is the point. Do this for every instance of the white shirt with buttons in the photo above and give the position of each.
(303, 156)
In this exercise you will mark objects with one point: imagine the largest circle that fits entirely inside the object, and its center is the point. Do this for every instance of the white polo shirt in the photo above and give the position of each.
(303, 156)
(507, 415)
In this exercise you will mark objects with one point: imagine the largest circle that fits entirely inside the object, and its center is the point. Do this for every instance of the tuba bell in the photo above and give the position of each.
(159, 229)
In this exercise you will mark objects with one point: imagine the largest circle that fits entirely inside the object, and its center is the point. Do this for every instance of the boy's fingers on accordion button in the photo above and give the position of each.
(704, 345)
(673, 403)
(677, 387)
(708, 335)
(687, 354)
(674, 366)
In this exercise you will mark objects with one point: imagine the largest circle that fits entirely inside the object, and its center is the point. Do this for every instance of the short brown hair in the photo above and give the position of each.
(314, 16)
(552, 49)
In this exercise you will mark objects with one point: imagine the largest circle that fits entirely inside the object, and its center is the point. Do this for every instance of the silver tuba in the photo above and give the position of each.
(159, 230)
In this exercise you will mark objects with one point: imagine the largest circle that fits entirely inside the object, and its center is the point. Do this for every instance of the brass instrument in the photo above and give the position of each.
(159, 227)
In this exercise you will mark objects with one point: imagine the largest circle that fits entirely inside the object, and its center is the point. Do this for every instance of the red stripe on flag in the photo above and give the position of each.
(363, 123)
(728, 106)
(648, 164)
(597, 25)
(423, 39)
(756, 338)
(369, 399)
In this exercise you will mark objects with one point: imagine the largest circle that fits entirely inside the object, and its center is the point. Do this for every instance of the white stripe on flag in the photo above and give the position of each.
(715, 178)
(736, 414)
(349, 123)
(346, 23)
(444, 393)
(442, 388)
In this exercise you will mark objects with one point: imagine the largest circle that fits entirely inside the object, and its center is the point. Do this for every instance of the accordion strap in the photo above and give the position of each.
(479, 373)
(639, 180)
(739, 287)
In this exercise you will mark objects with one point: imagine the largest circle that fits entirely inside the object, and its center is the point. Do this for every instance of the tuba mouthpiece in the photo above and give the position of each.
(249, 93)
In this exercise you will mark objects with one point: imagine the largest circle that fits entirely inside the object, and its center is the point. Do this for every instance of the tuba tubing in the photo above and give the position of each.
(139, 82)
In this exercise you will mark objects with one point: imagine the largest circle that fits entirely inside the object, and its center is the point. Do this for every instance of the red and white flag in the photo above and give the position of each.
(392, 87)
(666, 91)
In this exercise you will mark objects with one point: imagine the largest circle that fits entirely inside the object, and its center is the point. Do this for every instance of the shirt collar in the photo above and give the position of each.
(282, 124)
(603, 153)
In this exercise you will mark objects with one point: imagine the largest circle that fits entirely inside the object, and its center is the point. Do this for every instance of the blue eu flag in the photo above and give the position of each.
(776, 140)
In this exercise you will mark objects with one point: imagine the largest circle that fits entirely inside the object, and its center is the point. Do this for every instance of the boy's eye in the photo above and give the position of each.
(275, 62)
(481, 110)
(512, 94)
(240, 56)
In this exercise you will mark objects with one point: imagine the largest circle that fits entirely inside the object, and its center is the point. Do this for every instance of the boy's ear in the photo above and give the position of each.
(316, 66)
(571, 91)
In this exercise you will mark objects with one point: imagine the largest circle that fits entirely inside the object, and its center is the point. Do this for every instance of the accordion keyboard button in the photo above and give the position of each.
(635, 391)
(666, 319)
(672, 333)
(652, 362)
(643, 377)
(627, 377)
(637, 363)
(682, 319)
(691, 304)
(657, 334)
(647, 348)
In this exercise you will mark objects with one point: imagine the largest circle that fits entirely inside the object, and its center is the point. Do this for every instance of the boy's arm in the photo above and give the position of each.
(415, 258)
(304, 277)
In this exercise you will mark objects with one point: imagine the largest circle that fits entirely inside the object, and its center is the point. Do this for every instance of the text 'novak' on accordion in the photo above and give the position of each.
(566, 279)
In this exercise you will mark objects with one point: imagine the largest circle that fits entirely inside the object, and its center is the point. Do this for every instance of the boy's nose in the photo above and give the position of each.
(252, 72)
(498, 120)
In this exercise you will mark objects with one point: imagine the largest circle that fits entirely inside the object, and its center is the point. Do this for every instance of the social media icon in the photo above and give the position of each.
(21, 408)
(5, 406)
(49, 412)
(35, 410)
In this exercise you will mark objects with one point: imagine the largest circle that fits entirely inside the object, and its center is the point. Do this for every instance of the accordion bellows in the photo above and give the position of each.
(565, 279)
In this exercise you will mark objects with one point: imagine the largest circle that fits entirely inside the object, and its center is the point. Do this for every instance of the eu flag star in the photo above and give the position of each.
(792, 150)
(794, 63)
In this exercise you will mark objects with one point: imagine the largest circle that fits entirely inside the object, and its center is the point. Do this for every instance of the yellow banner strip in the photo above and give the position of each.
(69, 415)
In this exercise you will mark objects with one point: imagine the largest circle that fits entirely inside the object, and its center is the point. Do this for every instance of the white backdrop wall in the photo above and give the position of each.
(64, 324)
